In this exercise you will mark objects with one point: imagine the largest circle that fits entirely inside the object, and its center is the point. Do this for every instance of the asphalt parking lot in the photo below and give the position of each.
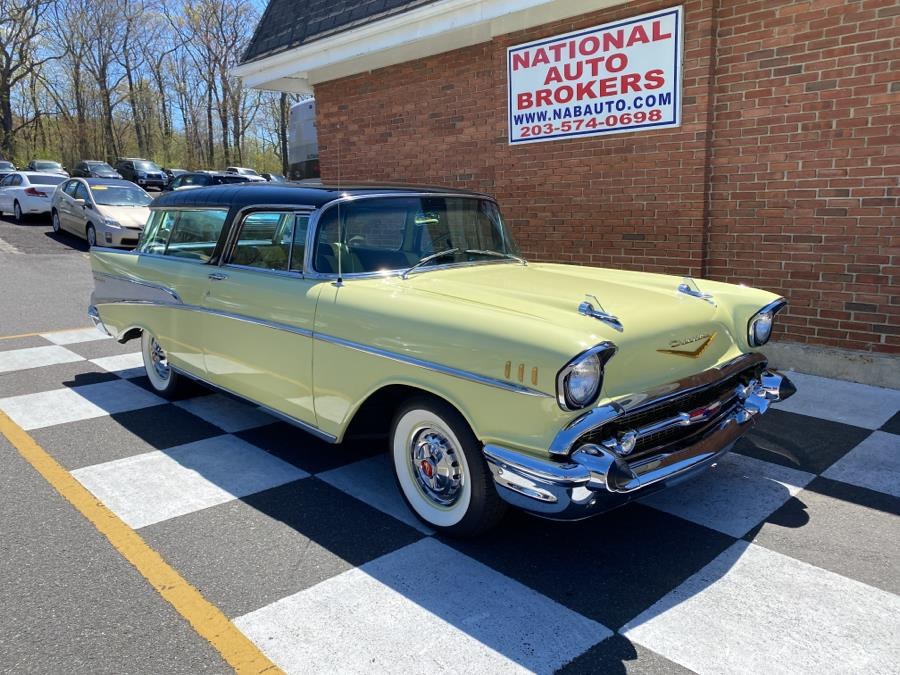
(785, 558)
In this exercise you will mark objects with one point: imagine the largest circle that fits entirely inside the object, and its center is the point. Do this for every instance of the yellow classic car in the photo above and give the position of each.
(559, 389)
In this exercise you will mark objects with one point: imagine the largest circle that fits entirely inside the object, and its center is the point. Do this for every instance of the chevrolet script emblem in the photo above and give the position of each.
(703, 340)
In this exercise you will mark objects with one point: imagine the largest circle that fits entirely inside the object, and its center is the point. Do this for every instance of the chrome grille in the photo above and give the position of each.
(723, 392)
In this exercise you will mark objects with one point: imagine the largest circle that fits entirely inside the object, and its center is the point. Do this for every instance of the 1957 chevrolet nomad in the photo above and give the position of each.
(562, 390)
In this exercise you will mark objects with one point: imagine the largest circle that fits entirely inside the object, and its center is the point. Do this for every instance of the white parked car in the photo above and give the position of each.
(104, 211)
(250, 174)
(24, 193)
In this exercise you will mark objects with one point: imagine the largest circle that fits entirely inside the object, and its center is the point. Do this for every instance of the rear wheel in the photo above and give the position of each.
(17, 211)
(440, 469)
(165, 381)
(91, 235)
(54, 220)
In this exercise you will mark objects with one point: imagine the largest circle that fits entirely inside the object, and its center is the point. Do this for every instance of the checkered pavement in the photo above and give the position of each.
(785, 558)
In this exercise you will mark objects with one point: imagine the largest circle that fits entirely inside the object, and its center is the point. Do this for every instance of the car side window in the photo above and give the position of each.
(6, 182)
(298, 244)
(69, 188)
(265, 241)
(156, 234)
(195, 234)
(81, 192)
(16, 180)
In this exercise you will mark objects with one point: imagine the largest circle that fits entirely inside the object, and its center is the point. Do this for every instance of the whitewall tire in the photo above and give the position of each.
(165, 381)
(440, 469)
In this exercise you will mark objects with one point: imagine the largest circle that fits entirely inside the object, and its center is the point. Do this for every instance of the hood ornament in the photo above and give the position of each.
(689, 287)
(587, 309)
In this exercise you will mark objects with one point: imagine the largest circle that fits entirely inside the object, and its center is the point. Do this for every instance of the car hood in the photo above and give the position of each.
(128, 216)
(664, 334)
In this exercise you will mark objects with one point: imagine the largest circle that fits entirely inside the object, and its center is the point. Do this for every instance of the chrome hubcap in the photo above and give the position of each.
(436, 467)
(158, 359)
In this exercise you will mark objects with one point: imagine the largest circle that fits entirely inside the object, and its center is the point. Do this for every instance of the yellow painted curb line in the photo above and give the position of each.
(204, 617)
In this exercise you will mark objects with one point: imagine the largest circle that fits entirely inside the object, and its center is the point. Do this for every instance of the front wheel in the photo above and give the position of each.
(441, 471)
(91, 235)
(165, 381)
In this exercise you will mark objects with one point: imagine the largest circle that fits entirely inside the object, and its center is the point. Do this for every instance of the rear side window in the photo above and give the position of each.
(272, 240)
(184, 234)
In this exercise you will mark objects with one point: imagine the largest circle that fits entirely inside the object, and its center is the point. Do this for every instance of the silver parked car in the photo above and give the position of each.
(105, 212)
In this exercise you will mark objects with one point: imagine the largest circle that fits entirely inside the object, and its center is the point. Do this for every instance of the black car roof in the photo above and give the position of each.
(242, 195)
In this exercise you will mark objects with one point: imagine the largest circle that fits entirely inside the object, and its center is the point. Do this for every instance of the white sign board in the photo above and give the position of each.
(622, 76)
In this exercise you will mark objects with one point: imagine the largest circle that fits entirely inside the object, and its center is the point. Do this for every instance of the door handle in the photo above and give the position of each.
(217, 276)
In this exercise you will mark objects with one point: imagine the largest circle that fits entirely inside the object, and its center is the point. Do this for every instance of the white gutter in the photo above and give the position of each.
(431, 29)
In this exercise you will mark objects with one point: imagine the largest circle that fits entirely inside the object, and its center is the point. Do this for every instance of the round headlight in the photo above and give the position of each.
(578, 384)
(759, 329)
(583, 381)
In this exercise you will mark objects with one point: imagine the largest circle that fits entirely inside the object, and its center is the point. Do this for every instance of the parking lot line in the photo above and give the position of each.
(205, 618)
(41, 332)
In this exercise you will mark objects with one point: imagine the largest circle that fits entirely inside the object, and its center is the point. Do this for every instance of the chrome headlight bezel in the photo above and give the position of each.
(767, 313)
(602, 353)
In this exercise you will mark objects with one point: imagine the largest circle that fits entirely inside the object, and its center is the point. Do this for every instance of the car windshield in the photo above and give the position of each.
(99, 166)
(42, 179)
(146, 166)
(47, 166)
(6, 165)
(389, 234)
(246, 172)
(120, 195)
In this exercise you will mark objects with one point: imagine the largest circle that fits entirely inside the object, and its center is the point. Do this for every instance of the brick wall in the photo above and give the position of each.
(783, 174)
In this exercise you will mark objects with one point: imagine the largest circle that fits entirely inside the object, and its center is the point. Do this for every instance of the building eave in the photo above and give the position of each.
(425, 31)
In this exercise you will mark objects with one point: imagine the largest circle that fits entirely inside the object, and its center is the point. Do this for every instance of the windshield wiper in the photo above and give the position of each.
(428, 258)
(495, 254)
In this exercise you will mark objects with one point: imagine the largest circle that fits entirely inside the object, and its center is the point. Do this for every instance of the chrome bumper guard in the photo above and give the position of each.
(594, 478)
(97, 321)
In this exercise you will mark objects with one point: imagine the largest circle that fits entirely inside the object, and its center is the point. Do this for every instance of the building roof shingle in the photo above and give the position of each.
(291, 23)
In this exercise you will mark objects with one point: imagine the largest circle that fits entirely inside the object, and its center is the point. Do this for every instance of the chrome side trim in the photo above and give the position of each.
(434, 367)
(94, 316)
(103, 279)
(305, 426)
(375, 351)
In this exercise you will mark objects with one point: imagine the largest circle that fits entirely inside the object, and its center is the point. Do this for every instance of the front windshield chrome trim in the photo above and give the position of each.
(316, 216)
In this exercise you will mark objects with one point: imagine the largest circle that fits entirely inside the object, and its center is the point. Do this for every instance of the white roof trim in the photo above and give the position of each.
(431, 29)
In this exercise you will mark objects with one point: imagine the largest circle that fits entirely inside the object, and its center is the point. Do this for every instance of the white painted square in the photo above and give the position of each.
(858, 404)
(372, 481)
(226, 413)
(159, 485)
(71, 337)
(752, 610)
(35, 357)
(734, 496)
(124, 365)
(873, 464)
(425, 608)
(35, 411)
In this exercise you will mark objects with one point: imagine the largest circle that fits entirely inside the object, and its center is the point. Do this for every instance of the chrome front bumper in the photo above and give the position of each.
(594, 478)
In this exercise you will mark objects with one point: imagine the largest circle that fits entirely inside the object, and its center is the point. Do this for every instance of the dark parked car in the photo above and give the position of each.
(145, 173)
(94, 168)
(46, 166)
(172, 174)
(274, 177)
(203, 178)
